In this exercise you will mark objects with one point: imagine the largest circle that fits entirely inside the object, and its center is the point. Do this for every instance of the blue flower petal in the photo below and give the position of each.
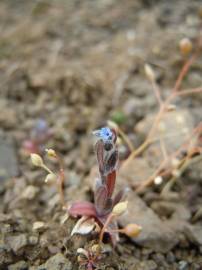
(104, 133)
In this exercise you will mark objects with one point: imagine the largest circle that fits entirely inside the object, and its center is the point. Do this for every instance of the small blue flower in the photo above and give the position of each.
(104, 133)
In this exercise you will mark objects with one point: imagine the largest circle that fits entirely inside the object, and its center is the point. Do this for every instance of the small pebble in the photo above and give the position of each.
(183, 265)
(30, 192)
(170, 257)
(33, 240)
(38, 226)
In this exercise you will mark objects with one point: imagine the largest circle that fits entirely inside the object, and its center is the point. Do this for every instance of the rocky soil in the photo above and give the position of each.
(71, 66)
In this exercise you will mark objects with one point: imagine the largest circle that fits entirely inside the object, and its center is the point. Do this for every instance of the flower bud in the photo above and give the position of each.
(185, 46)
(149, 72)
(132, 230)
(120, 208)
(50, 178)
(36, 160)
(51, 153)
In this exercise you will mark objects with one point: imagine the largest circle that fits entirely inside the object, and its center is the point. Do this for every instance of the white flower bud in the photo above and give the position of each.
(186, 46)
(120, 208)
(149, 72)
(36, 160)
(50, 178)
(51, 153)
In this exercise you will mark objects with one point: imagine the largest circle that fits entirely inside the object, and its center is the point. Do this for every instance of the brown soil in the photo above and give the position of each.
(77, 64)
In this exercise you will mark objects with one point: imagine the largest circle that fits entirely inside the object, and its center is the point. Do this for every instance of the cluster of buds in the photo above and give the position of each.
(106, 208)
(51, 177)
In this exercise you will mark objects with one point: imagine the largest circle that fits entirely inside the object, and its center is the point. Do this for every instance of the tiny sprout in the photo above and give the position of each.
(50, 178)
(149, 72)
(36, 160)
(132, 230)
(51, 153)
(185, 46)
(120, 208)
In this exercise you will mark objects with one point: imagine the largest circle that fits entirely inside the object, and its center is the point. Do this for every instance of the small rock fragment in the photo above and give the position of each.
(57, 261)
(21, 265)
(171, 132)
(17, 242)
(194, 233)
(30, 192)
(183, 265)
(38, 226)
(33, 240)
(8, 160)
(135, 172)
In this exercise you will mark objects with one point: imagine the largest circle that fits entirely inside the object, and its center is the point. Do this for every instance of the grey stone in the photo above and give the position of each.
(172, 130)
(146, 265)
(135, 172)
(183, 265)
(57, 261)
(21, 265)
(194, 233)
(17, 242)
(155, 234)
(8, 159)
(170, 257)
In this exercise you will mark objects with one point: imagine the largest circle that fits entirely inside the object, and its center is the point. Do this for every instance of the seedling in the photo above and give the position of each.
(89, 258)
(106, 207)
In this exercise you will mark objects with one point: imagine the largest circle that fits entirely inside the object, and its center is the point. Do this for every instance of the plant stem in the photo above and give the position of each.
(109, 219)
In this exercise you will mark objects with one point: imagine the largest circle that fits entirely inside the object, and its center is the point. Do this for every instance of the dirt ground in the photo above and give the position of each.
(72, 65)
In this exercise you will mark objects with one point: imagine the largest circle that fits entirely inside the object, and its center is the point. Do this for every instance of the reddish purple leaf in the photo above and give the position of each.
(82, 209)
(111, 178)
(100, 198)
(119, 196)
(110, 162)
(99, 148)
(108, 206)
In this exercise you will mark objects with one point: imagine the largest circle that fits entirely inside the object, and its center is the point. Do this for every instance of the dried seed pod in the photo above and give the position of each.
(132, 230)
(186, 46)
